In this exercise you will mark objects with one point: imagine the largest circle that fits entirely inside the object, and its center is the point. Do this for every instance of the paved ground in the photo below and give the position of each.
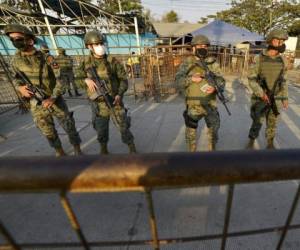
(158, 127)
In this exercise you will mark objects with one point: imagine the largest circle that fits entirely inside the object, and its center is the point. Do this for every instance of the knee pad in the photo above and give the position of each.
(189, 121)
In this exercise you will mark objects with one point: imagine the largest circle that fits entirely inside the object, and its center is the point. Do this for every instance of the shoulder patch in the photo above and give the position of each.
(51, 62)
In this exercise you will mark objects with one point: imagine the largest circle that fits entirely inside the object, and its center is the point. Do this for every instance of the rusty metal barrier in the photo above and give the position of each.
(147, 172)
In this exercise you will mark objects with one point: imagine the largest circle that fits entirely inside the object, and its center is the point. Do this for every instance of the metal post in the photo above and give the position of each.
(289, 218)
(137, 35)
(120, 7)
(227, 216)
(152, 219)
(73, 220)
(48, 26)
(8, 237)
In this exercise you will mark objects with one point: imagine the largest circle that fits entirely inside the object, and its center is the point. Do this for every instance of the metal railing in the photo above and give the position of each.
(145, 173)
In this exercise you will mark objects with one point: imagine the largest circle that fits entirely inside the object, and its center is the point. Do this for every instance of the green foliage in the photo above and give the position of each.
(262, 15)
(112, 6)
(170, 17)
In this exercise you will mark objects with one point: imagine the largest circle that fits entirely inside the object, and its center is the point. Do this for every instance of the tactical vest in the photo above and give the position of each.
(105, 72)
(269, 69)
(37, 70)
(195, 92)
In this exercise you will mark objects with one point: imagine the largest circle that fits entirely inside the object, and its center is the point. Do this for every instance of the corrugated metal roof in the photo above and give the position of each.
(175, 29)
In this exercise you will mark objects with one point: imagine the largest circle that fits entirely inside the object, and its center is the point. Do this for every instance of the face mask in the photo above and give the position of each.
(99, 50)
(280, 48)
(20, 43)
(202, 52)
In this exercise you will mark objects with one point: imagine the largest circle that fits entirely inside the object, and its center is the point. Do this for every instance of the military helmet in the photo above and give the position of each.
(17, 28)
(93, 37)
(61, 50)
(277, 33)
(200, 39)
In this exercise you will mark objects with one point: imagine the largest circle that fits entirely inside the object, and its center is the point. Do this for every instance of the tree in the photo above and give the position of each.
(112, 6)
(170, 17)
(294, 30)
(262, 15)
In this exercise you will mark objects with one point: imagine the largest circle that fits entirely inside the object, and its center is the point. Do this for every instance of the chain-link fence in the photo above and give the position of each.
(9, 97)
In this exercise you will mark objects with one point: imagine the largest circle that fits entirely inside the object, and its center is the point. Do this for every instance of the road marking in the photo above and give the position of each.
(179, 140)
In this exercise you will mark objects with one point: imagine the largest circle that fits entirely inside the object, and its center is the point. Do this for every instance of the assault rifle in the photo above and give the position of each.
(38, 94)
(271, 105)
(102, 91)
(215, 81)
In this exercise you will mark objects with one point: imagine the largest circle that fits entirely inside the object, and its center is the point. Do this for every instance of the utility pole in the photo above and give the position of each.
(120, 7)
(48, 26)
(137, 34)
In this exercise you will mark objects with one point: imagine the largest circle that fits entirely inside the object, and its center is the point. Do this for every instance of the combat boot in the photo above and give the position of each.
(132, 149)
(192, 147)
(103, 149)
(77, 150)
(250, 144)
(70, 93)
(211, 146)
(77, 93)
(59, 152)
(270, 144)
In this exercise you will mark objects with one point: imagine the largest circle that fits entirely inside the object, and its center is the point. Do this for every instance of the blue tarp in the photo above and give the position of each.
(222, 33)
(117, 43)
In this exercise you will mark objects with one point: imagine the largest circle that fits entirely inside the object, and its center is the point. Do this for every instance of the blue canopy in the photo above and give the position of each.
(221, 33)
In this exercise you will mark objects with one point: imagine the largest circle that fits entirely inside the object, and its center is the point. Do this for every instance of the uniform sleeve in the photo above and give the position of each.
(180, 76)
(122, 77)
(252, 78)
(17, 80)
(216, 69)
(284, 92)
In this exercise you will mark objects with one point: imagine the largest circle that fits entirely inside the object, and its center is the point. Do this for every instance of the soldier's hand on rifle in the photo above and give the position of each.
(25, 91)
(210, 90)
(117, 100)
(91, 84)
(285, 104)
(266, 99)
(48, 103)
(197, 78)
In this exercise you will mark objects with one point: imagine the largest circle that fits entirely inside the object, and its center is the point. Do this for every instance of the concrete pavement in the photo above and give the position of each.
(158, 127)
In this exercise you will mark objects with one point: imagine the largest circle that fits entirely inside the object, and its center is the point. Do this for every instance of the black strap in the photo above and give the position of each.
(42, 63)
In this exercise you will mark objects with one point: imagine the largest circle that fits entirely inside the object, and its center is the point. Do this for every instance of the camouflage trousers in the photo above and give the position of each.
(67, 79)
(43, 119)
(212, 120)
(259, 113)
(101, 116)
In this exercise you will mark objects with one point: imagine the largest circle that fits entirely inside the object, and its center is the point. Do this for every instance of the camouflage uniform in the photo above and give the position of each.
(198, 103)
(65, 63)
(268, 68)
(115, 76)
(43, 72)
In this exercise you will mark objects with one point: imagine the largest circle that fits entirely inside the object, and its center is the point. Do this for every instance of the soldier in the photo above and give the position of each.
(65, 63)
(43, 73)
(45, 49)
(200, 96)
(266, 79)
(115, 76)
